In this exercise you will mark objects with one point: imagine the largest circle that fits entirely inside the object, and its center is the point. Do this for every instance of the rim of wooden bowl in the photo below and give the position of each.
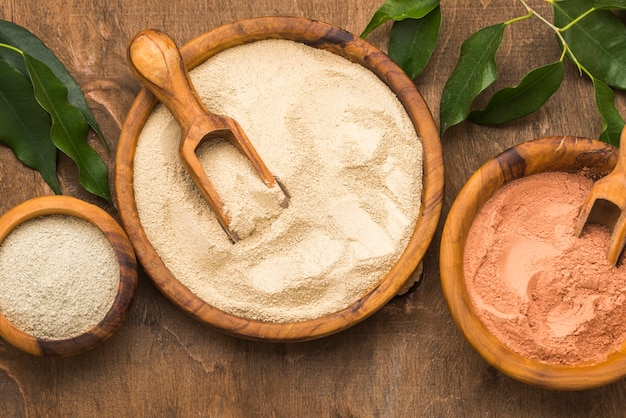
(338, 41)
(117, 313)
(557, 153)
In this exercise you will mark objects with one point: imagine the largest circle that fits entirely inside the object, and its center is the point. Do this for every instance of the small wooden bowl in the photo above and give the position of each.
(66, 205)
(569, 154)
(353, 48)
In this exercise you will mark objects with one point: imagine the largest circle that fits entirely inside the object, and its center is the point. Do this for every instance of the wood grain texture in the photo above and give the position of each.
(409, 359)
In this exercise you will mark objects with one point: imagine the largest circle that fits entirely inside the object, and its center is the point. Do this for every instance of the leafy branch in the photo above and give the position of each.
(589, 35)
(42, 110)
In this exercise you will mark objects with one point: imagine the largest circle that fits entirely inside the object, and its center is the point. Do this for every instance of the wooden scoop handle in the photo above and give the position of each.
(620, 166)
(156, 61)
(606, 204)
(615, 188)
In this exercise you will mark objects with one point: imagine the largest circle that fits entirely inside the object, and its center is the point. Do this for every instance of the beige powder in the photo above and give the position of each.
(58, 276)
(538, 288)
(248, 201)
(344, 148)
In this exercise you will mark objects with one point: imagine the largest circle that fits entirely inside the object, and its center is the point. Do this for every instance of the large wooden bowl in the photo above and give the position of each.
(342, 43)
(66, 205)
(567, 154)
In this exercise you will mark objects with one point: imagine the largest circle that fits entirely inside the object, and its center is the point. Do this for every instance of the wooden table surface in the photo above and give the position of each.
(409, 359)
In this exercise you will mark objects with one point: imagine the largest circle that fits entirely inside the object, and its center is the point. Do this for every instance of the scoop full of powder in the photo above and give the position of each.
(539, 289)
(248, 201)
(59, 276)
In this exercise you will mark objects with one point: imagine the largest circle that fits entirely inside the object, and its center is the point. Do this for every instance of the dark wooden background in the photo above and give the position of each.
(407, 360)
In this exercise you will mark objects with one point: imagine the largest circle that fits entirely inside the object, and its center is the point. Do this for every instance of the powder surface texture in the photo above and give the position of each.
(340, 142)
(59, 276)
(545, 293)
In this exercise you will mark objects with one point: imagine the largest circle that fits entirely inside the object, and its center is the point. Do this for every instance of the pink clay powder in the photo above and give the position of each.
(543, 292)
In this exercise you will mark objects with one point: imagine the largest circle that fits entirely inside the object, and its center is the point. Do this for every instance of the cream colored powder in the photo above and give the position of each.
(247, 200)
(344, 148)
(59, 276)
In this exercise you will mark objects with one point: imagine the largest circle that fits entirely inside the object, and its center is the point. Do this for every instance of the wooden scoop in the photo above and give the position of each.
(606, 204)
(156, 61)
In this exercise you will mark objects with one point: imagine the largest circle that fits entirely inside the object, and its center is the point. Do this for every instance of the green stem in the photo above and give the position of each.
(578, 19)
(12, 48)
(517, 19)
(543, 19)
(558, 32)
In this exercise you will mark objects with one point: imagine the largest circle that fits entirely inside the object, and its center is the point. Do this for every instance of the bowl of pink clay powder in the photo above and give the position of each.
(539, 303)
(357, 161)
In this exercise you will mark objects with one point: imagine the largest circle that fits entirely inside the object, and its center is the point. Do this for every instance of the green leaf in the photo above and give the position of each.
(69, 128)
(474, 72)
(412, 42)
(19, 37)
(529, 95)
(399, 10)
(598, 41)
(612, 121)
(610, 5)
(25, 126)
